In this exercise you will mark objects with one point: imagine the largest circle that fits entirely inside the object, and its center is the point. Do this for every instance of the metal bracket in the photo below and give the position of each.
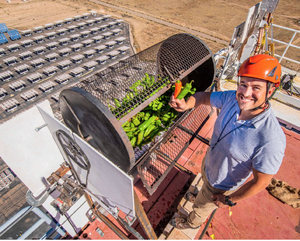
(32, 201)
(130, 222)
(91, 216)
(98, 230)
(114, 211)
(103, 218)
(128, 227)
(40, 127)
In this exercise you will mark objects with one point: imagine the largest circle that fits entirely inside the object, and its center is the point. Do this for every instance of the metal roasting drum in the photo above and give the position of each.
(90, 111)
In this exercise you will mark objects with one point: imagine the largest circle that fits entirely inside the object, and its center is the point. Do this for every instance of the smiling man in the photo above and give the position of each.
(247, 139)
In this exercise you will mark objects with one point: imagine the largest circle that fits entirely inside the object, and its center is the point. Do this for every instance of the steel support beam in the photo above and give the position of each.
(143, 219)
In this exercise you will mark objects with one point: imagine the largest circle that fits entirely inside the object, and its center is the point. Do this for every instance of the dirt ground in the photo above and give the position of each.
(217, 18)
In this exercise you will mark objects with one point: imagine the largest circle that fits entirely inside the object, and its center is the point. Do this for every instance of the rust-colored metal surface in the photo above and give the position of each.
(98, 230)
(60, 172)
(113, 227)
(143, 219)
(259, 217)
(158, 163)
(161, 205)
(263, 216)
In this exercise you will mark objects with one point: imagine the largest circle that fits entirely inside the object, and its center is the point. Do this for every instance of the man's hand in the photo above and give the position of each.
(219, 200)
(193, 102)
(178, 105)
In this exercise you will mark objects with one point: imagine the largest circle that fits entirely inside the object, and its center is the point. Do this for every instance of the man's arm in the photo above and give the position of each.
(251, 188)
(194, 101)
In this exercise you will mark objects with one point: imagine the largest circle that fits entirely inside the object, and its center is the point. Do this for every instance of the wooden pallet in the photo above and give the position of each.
(184, 207)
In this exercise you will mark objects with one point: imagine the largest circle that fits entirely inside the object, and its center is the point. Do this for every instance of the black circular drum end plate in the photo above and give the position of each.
(86, 116)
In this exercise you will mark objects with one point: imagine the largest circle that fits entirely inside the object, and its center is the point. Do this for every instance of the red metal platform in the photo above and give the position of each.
(259, 217)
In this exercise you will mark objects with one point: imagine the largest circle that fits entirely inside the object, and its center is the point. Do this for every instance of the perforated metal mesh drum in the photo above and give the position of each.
(181, 56)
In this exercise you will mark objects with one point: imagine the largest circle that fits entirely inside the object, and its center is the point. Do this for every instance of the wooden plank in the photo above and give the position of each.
(162, 237)
(176, 234)
(184, 208)
(194, 188)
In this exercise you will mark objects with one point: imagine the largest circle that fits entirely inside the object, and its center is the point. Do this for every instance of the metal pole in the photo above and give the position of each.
(129, 228)
(143, 219)
(111, 225)
(208, 223)
(49, 221)
(287, 47)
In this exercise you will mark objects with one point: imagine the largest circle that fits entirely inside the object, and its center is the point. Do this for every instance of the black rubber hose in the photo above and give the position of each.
(208, 223)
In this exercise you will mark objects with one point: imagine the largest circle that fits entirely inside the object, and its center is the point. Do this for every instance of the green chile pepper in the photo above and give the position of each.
(185, 90)
(165, 119)
(125, 124)
(158, 122)
(140, 137)
(136, 122)
(155, 132)
(141, 114)
(117, 102)
(133, 141)
(193, 91)
(149, 129)
(129, 129)
(146, 123)
(159, 106)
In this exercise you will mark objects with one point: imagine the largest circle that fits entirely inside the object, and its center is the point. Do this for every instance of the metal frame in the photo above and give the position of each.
(181, 56)
(140, 213)
(116, 82)
(158, 161)
(288, 45)
(43, 218)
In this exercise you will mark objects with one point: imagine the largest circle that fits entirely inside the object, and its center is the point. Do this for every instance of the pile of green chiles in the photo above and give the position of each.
(138, 92)
(155, 118)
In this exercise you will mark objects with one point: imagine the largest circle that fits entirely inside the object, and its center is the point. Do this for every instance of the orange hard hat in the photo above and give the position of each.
(261, 66)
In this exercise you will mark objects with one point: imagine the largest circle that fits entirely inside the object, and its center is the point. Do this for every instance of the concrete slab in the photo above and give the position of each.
(184, 207)
(162, 237)
(177, 235)
(286, 114)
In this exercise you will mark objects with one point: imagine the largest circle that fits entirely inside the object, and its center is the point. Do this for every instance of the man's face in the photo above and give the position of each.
(251, 93)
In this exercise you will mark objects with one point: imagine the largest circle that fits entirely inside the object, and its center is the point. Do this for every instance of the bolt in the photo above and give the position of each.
(41, 127)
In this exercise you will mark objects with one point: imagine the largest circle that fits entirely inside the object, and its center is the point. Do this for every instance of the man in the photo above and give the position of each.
(247, 139)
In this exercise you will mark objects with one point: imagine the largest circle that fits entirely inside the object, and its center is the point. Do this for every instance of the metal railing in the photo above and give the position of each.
(43, 218)
(288, 45)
